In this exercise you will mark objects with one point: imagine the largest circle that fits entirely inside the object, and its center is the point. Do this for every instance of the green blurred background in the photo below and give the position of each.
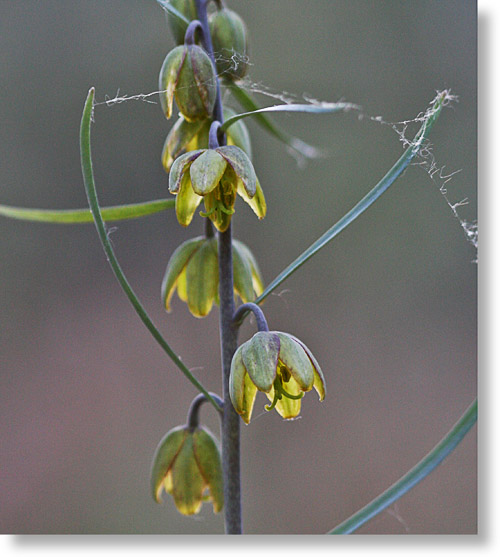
(388, 308)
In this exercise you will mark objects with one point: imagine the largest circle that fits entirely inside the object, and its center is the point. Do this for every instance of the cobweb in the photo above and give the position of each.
(438, 173)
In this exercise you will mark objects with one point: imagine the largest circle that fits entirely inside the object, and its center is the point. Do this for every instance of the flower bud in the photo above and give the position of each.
(230, 42)
(188, 74)
(178, 27)
(279, 365)
(193, 270)
(189, 136)
(187, 464)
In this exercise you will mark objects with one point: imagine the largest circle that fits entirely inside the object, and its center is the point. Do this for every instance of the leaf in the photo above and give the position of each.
(75, 216)
(370, 198)
(297, 145)
(88, 179)
(414, 476)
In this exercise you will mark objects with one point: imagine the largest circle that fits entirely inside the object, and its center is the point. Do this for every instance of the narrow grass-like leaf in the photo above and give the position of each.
(324, 108)
(165, 4)
(88, 178)
(384, 184)
(414, 476)
(297, 145)
(77, 216)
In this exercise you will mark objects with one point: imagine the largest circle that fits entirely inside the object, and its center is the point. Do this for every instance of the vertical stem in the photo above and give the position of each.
(228, 334)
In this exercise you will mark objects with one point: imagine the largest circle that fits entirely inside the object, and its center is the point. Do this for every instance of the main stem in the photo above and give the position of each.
(228, 334)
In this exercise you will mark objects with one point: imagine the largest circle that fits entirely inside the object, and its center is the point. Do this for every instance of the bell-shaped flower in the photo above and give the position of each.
(193, 270)
(188, 136)
(188, 75)
(214, 175)
(279, 365)
(187, 464)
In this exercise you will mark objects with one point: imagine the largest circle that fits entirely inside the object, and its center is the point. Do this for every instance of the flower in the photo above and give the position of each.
(188, 74)
(189, 136)
(230, 41)
(278, 364)
(193, 270)
(214, 175)
(186, 464)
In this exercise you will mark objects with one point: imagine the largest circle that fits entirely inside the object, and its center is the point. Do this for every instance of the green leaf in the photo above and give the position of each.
(75, 216)
(165, 4)
(88, 179)
(297, 145)
(384, 184)
(414, 476)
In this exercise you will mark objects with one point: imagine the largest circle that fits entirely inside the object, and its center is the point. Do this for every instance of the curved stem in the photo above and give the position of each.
(193, 417)
(414, 476)
(213, 135)
(243, 310)
(189, 37)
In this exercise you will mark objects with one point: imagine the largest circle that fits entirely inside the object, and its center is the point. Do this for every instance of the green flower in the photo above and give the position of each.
(188, 75)
(194, 271)
(188, 136)
(279, 365)
(214, 175)
(187, 465)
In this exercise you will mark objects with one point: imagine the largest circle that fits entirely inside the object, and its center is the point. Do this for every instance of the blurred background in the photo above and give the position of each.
(388, 308)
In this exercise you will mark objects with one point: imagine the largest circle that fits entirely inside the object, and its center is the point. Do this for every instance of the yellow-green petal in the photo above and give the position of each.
(175, 266)
(169, 75)
(179, 140)
(260, 357)
(258, 283)
(202, 277)
(179, 169)
(288, 408)
(241, 165)
(319, 378)
(242, 272)
(208, 458)
(241, 389)
(257, 202)
(188, 483)
(186, 201)
(295, 359)
(206, 172)
(164, 456)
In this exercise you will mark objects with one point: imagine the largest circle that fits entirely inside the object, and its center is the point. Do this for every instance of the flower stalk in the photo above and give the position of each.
(228, 335)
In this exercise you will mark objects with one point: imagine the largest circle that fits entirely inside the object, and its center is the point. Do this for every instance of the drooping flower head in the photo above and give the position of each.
(216, 176)
(279, 365)
(187, 465)
(194, 271)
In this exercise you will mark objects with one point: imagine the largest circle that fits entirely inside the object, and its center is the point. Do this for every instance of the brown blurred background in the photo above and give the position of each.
(388, 308)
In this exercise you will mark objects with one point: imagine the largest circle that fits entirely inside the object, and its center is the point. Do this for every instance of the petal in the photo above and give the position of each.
(208, 458)
(179, 168)
(169, 75)
(186, 201)
(182, 286)
(295, 359)
(288, 408)
(241, 389)
(176, 264)
(257, 202)
(260, 357)
(164, 456)
(242, 272)
(202, 277)
(241, 165)
(319, 378)
(258, 283)
(206, 172)
(188, 483)
(179, 140)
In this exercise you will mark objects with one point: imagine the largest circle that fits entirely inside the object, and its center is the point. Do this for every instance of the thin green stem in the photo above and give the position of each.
(370, 198)
(77, 216)
(414, 476)
(88, 178)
